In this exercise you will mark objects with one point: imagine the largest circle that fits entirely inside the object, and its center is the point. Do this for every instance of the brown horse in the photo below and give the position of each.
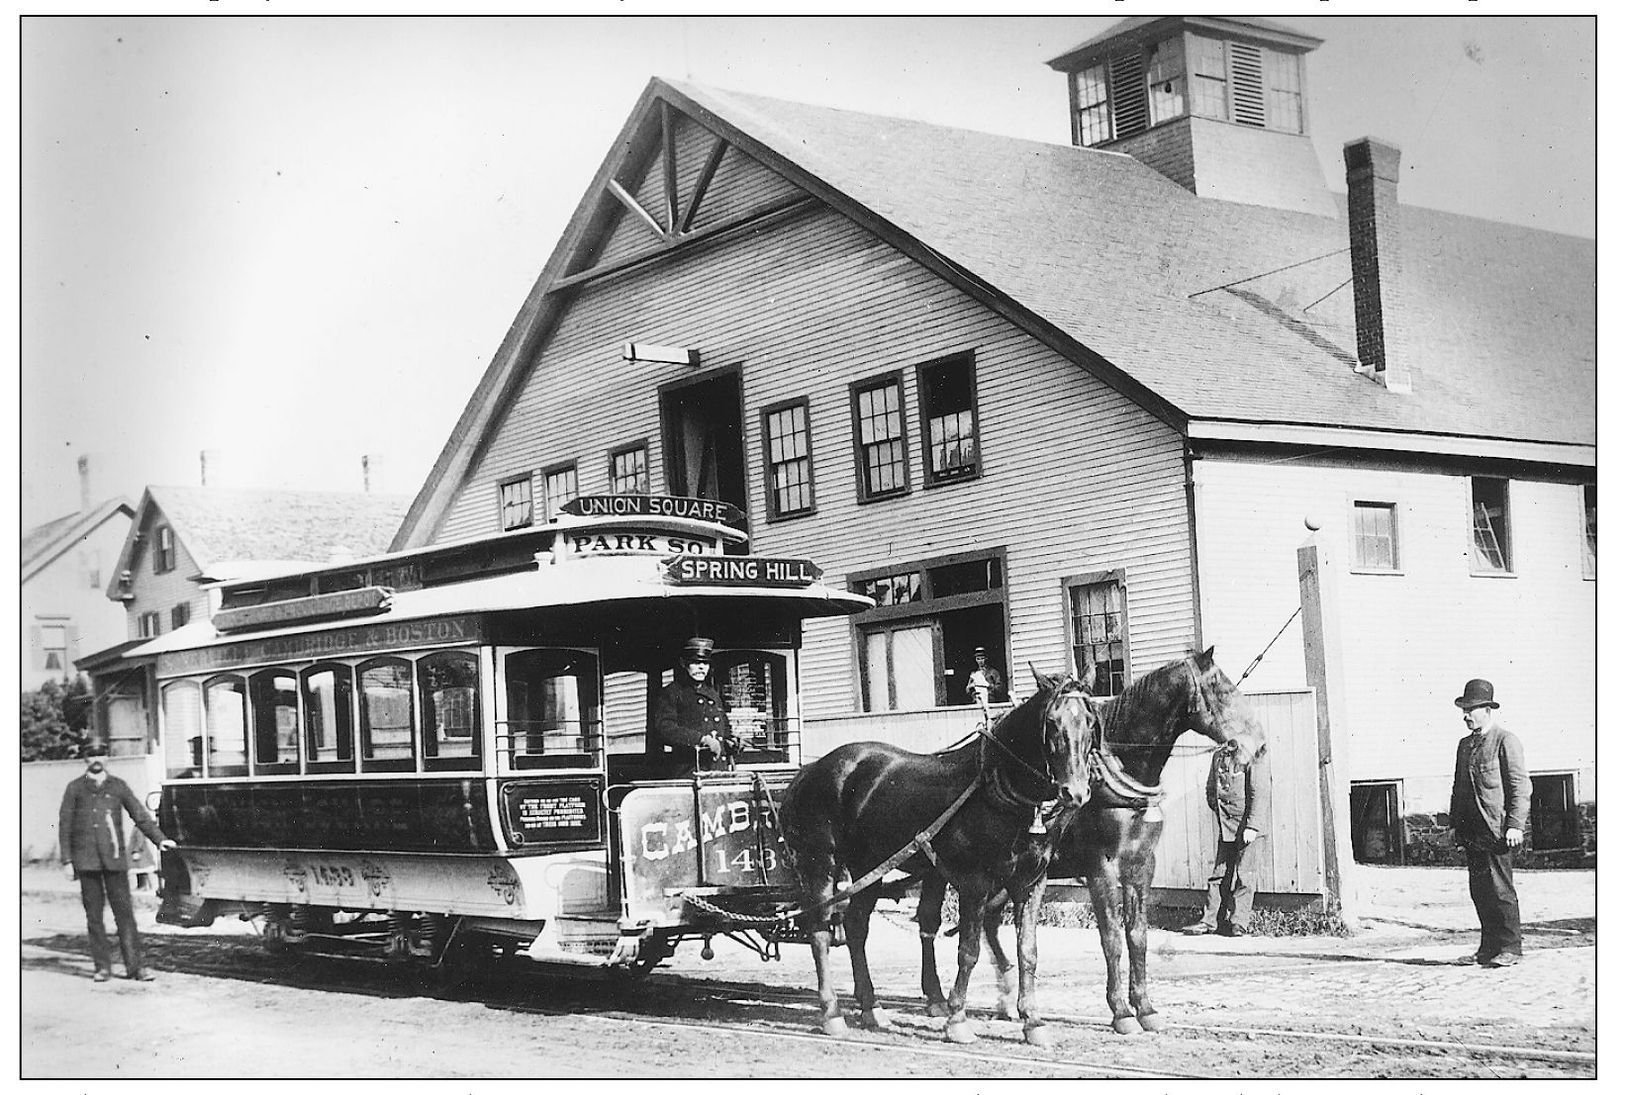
(1110, 841)
(868, 806)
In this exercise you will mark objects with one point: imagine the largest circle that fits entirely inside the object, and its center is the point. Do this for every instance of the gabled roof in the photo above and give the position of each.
(44, 543)
(221, 527)
(1199, 310)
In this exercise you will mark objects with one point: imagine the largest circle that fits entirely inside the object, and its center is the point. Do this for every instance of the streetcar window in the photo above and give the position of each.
(183, 730)
(386, 709)
(449, 692)
(273, 697)
(551, 695)
(752, 684)
(225, 716)
(329, 718)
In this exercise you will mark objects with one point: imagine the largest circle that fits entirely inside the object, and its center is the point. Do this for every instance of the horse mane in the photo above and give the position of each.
(1121, 708)
(971, 738)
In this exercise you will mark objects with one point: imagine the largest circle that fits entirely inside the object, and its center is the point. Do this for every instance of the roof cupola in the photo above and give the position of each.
(1214, 103)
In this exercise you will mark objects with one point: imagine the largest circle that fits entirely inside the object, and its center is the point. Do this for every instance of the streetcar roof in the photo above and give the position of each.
(553, 584)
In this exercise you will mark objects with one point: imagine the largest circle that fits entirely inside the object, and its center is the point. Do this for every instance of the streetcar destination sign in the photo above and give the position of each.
(742, 570)
(653, 505)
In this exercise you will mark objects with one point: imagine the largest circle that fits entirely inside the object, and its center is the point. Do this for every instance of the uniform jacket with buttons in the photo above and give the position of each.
(1239, 794)
(684, 713)
(1492, 785)
(90, 827)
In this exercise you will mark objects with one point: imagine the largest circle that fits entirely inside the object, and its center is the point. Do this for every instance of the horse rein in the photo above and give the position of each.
(1047, 777)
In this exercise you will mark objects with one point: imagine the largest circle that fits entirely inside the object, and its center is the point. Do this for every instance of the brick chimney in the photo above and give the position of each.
(1372, 170)
(84, 484)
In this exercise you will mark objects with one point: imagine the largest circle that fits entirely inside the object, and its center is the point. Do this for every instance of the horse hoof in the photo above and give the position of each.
(960, 1032)
(1151, 1022)
(937, 1009)
(1125, 1025)
(1037, 1036)
(876, 1019)
(835, 1028)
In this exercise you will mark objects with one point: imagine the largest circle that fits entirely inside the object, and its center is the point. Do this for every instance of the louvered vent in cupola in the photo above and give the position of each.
(1128, 93)
(1247, 84)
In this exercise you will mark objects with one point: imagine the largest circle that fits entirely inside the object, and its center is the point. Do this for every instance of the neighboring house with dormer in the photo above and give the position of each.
(1074, 404)
(182, 539)
(65, 611)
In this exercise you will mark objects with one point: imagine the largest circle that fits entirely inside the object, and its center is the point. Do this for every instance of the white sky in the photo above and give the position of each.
(300, 240)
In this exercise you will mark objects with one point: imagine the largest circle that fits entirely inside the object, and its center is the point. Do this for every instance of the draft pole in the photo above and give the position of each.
(1324, 670)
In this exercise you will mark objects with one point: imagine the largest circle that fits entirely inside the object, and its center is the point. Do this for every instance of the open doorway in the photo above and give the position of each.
(704, 439)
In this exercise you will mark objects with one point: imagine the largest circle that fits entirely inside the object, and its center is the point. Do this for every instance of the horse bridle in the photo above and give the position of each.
(992, 774)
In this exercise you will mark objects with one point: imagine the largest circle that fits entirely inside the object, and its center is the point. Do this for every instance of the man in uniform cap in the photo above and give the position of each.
(96, 850)
(1490, 804)
(688, 728)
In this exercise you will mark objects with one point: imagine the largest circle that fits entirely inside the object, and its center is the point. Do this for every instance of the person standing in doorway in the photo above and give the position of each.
(1490, 806)
(1239, 795)
(96, 851)
(984, 685)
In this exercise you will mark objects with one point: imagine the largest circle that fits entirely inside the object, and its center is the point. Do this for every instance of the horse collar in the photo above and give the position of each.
(1121, 788)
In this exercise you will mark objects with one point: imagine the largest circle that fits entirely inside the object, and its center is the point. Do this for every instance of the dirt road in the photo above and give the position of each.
(1384, 1003)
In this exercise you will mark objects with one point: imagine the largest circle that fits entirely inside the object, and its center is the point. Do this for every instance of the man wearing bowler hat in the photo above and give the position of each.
(96, 851)
(1490, 804)
(688, 728)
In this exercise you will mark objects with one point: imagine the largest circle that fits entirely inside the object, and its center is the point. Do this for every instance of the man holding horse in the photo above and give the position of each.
(1490, 804)
(1239, 795)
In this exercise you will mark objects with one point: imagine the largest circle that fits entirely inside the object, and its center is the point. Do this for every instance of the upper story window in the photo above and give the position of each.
(878, 435)
(1373, 541)
(558, 487)
(1492, 547)
(163, 550)
(514, 500)
(948, 407)
(1238, 82)
(1098, 616)
(54, 646)
(789, 459)
(180, 615)
(629, 470)
(147, 625)
(1589, 529)
(1166, 82)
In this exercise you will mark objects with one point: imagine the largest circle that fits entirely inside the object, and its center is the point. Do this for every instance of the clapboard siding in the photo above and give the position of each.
(1075, 478)
(1533, 635)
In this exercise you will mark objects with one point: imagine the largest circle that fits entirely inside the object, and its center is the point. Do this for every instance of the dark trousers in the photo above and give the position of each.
(100, 888)
(1490, 884)
(1230, 884)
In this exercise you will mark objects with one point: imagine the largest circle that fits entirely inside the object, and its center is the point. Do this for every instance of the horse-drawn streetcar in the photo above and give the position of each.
(439, 756)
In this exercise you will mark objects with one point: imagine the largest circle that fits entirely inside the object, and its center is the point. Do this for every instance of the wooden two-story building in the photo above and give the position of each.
(1075, 403)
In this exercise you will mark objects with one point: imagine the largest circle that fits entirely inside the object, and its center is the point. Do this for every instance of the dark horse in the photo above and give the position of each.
(1110, 841)
(867, 806)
